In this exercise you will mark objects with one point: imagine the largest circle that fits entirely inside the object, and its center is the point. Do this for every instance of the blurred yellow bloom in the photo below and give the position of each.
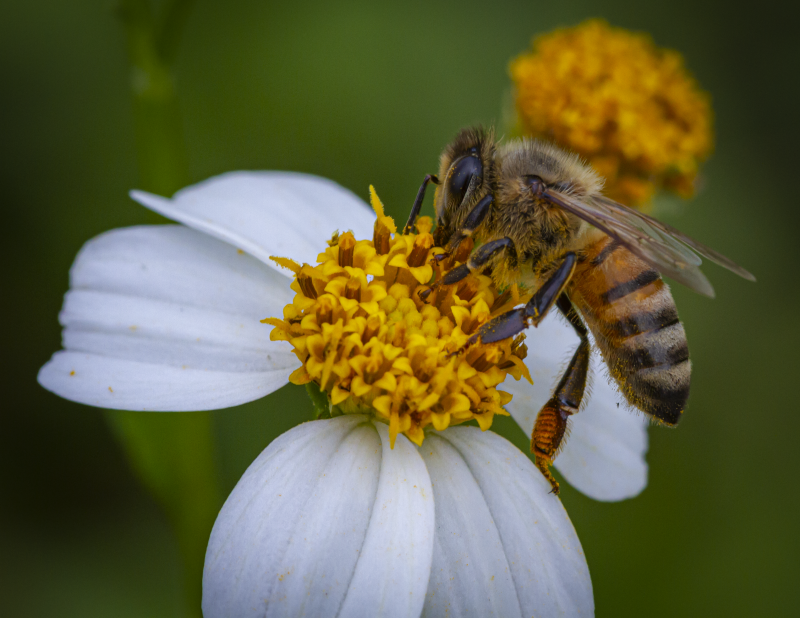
(612, 96)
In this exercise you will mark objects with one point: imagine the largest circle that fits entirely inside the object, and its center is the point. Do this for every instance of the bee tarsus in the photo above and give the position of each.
(415, 208)
(471, 223)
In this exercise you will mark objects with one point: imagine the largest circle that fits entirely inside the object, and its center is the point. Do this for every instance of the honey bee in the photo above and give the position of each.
(540, 221)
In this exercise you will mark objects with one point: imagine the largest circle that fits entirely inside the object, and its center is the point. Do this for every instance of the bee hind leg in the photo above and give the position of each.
(551, 422)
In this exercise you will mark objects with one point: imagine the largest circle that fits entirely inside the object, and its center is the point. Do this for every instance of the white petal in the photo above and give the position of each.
(604, 453)
(470, 573)
(267, 213)
(504, 545)
(392, 574)
(167, 318)
(295, 523)
(130, 385)
(327, 521)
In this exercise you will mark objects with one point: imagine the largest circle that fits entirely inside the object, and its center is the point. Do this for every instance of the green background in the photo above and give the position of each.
(369, 93)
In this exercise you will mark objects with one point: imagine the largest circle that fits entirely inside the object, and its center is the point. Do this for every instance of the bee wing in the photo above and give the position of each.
(702, 249)
(658, 244)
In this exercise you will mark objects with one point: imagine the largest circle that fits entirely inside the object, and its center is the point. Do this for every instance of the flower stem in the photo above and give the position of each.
(322, 407)
(152, 46)
(173, 455)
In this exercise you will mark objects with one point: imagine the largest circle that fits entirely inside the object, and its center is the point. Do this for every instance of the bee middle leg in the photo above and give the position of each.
(513, 322)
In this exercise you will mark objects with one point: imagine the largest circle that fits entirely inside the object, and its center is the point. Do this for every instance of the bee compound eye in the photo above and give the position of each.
(461, 176)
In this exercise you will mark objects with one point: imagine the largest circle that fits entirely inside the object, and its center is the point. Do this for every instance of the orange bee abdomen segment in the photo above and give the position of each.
(633, 318)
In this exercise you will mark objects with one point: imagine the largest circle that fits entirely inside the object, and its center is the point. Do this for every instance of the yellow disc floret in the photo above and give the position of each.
(612, 96)
(372, 345)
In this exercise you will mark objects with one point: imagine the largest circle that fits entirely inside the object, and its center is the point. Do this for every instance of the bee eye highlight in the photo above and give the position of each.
(461, 176)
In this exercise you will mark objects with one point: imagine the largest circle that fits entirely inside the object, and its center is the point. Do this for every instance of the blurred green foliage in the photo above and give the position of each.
(368, 93)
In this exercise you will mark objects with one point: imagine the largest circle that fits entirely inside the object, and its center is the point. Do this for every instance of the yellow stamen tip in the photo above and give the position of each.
(377, 205)
(286, 263)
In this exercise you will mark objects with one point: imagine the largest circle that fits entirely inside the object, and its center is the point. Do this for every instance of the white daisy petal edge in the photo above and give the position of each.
(329, 521)
(284, 214)
(604, 456)
(167, 318)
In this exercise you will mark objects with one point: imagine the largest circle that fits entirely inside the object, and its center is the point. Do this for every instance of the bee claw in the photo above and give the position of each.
(471, 341)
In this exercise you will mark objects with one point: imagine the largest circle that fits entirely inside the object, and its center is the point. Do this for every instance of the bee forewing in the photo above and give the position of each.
(667, 229)
(662, 246)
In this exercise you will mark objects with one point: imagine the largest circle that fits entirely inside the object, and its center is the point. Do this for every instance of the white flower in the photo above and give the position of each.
(330, 521)
(167, 318)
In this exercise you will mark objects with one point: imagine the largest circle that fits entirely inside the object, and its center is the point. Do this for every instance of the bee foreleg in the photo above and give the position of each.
(471, 223)
(412, 218)
(551, 422)
(476, 263)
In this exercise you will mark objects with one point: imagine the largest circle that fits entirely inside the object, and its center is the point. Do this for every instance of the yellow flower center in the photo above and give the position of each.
(612, 96)
(369, 341)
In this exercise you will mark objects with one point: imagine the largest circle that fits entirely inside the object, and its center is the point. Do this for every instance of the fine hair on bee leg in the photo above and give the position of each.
(551, 427)
(471, 223)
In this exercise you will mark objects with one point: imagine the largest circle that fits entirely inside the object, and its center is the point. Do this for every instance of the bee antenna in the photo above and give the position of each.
(537, 185)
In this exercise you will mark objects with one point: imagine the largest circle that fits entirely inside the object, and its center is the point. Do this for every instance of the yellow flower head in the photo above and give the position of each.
(631, 109)
(369, 341)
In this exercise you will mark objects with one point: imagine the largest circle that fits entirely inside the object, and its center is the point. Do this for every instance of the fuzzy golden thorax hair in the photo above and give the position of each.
(540, 230)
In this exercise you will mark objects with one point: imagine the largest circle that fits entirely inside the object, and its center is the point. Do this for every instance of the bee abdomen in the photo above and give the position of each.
(655, 369)
(635, 323)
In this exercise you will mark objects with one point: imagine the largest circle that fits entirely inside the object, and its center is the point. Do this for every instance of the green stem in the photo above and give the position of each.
(319, 398)
(151, 50)
(172, 454)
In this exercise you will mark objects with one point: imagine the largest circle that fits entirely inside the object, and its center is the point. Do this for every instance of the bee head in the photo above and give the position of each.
(466, 175)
